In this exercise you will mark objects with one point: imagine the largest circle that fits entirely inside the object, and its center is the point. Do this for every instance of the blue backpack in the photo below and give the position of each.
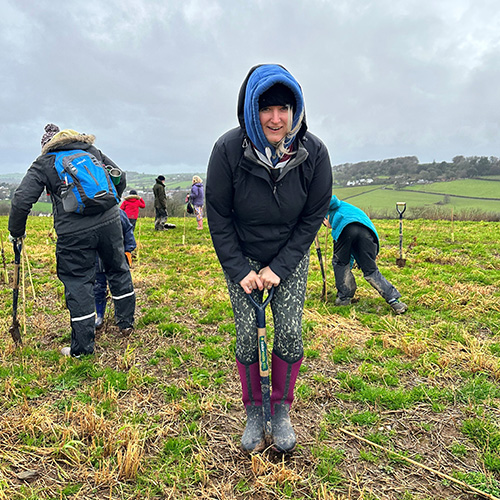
(86, 188)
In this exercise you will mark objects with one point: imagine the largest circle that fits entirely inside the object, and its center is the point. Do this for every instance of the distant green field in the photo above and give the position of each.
(462, 187)
(45, 207)
(178, 184)
(147, 181)
(343, 192)
(493, 177)
(382, 199)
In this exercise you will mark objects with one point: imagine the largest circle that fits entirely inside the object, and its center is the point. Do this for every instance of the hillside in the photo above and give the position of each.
(387, 407)
(468, 199)
(134, 180)
(172, 181)
(408, 170)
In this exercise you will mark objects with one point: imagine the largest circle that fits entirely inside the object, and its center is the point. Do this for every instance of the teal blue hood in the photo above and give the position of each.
(340, 213)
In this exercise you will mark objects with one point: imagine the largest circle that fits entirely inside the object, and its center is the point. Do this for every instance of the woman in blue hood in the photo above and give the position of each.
(268, 187)
(356, 239)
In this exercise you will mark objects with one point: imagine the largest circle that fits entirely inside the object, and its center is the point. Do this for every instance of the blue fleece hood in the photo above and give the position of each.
(261, 79)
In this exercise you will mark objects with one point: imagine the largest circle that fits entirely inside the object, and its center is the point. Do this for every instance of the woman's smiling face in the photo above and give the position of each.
(274, 121)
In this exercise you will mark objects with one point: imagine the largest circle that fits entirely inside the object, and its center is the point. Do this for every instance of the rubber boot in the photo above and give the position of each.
(283, 377)
(160, 224)
(200, 224)
(253, 439)
(100, 309)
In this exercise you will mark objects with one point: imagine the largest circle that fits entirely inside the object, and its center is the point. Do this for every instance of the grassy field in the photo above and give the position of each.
(462, 187)
(439, 200)
(446, 196)
(387, 407)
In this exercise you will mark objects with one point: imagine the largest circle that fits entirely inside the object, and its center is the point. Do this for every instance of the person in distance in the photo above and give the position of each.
(356, 239)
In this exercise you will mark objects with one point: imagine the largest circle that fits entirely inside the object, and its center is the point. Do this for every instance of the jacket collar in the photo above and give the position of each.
(62, 141)
(256, 166)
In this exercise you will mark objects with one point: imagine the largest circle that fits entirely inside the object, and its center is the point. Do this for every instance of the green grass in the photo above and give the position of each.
(159, 414)
(326, 469)
(380, 200)
(462, 187)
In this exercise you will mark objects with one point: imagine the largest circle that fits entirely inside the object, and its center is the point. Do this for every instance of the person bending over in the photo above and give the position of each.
(79, 237)
(356, 239)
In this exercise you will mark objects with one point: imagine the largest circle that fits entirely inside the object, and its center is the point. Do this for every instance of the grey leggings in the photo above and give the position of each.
(287, 306)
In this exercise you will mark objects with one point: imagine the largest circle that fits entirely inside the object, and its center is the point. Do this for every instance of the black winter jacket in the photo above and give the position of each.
(251, 215)
(42, 174)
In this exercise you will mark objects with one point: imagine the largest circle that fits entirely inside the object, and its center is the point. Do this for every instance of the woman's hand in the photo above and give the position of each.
(251, 282)
(268, 278)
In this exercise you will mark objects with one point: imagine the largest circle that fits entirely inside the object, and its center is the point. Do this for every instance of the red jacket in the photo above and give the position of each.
(131, 206)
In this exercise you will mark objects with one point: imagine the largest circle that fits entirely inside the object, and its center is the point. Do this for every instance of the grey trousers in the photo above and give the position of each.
(161, 217)
(357, 240)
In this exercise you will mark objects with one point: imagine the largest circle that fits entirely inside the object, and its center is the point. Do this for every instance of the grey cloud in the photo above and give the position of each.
(157, 81)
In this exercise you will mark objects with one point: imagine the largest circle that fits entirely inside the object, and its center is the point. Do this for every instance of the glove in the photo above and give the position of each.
(13, 239)
(128, 255)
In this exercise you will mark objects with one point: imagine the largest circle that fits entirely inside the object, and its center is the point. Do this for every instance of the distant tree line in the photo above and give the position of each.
(407, 170)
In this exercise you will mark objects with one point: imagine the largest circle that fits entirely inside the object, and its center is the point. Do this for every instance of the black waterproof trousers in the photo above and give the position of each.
(76, 257)
(357, 240)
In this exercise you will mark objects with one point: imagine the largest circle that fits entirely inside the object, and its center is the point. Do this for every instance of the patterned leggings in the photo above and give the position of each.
(287, 306)
(198, 211)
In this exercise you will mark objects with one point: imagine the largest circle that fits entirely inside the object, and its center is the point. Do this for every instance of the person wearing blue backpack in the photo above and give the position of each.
(87, 222)
(356, 239)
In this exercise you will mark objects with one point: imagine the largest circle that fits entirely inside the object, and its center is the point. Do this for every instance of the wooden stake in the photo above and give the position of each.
(29, 271)
(422, 466)
(452, 227)
(6, 274)
(184, 234)
(138, 240)
(327, 234)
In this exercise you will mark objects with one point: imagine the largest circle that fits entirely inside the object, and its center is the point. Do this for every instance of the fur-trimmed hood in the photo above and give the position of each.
(65, 137)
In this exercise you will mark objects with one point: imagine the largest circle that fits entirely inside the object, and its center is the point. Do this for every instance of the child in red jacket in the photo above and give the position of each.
(131, 206)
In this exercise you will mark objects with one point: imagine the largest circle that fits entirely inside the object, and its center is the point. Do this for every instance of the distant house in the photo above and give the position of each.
(359, 182)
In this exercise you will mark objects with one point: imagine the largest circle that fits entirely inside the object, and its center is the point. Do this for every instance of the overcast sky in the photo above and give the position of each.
(156, 81)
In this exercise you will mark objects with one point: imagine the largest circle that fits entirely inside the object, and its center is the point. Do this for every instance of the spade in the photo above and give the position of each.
(401, 207)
